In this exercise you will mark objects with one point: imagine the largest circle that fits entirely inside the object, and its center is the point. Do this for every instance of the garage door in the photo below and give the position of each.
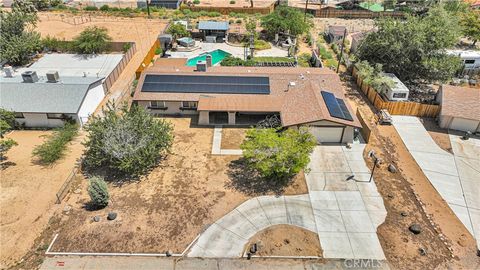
(464, 124)
(327, 134)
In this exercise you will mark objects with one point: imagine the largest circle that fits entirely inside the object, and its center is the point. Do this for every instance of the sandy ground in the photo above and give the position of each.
(285, 240)
(238, 3)
(27, 196)
(439, 135)
(405, 208)
(353, 25)
(232, 137)
(166, 210)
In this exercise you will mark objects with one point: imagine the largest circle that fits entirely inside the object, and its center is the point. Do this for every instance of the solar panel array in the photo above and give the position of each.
(206, 84)
(336, 106)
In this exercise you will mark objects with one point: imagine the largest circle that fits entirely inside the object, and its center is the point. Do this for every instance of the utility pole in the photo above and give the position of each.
(148, 8)
(306, 8)
(341, 49)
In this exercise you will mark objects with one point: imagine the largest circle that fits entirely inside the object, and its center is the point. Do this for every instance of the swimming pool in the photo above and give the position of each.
(217, 57)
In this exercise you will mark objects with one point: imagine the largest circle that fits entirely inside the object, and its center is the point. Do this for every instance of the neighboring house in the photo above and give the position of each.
(312, 97)
(335, 33)
(213, 32)
(460, 108)
(399, 92)
(39, 102)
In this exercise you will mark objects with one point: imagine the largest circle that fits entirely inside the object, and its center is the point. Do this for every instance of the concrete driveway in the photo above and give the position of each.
(455, 177)
(344, 214)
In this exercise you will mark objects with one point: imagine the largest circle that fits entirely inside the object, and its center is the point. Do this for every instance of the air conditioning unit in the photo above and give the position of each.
(202, 66)
(53, 77)
(30, 76)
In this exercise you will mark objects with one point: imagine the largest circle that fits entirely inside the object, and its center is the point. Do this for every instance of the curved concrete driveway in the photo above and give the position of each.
(228, 235)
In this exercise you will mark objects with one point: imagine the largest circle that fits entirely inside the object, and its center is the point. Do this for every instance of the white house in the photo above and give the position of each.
(40, 102)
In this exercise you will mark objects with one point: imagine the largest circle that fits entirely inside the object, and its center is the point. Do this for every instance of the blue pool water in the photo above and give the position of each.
(217, 57)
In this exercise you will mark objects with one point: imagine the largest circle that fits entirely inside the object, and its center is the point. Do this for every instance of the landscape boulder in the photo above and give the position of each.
(415, 228)
(392, 168)
(111, 216)
(96, 218)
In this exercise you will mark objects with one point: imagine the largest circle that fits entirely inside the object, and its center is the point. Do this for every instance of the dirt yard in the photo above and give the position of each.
(401, 247)
(439, 135)
(166, 210)
(238, 3)
(27, 197)
(232, 137)
(285, 240)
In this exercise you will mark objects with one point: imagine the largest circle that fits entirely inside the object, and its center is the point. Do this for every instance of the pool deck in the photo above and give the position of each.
(234, 51)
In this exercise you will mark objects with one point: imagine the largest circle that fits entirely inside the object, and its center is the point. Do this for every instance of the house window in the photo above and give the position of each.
(470, 61)
(55, 116)
(189, 104)
(399, 95)
(19, 115)
(157, 104)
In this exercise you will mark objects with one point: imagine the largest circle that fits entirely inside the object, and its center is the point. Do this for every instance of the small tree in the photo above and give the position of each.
(178, 30)
(471, 25)
(98, 191)
(286, 20)
(129, 141)
(278, 155)
(7, 122)
(92, 40)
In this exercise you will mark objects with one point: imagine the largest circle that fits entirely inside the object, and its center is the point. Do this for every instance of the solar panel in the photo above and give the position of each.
(336, 106)
(206, 84)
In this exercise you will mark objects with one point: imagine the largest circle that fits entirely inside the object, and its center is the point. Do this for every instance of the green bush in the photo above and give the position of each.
(158, 51)
(261, 45)
(104, 8)
(90, 8)
(54, 147)
(335, 48)
(126, 47)
(331, 63)
(196, 2)
(304, 60)
(235, 61)
(98, 191)
(239, 21)
(232, 2)
(324, 53)
(92, 40)
(214, 14)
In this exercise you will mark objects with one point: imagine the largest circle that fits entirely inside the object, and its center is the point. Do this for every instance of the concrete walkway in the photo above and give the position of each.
(217, 144)
(345, 214)
(455, 177)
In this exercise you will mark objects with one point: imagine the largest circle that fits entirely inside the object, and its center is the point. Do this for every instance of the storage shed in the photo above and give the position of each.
(460, 108)
(213, 31)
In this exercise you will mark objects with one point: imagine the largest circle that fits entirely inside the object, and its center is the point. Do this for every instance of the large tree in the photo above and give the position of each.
(130, 141)
(178, 30)
(92, 40)
(286, 20)
(18, 41)
(414, 49)
(471, 25)
(278, 155)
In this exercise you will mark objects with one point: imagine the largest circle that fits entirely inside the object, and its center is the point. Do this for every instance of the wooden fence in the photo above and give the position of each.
(365, 131)
(396, 107)
(113, 76)
(227, 10)
(355, 14)
(148, 59)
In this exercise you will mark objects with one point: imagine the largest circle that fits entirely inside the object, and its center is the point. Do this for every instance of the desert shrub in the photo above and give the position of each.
(304, 60)
(232, 2)
(214, 14)
(104, 8)
(335, 48)
(93, 39)
(261, 45)
(324, 53)
(158, 51)
(90, 8)
(278, 155)
(98, 191)
(196, 2)
(239, 21)
(331, 63)
(126, 47)
(54, 147)
(130, 141)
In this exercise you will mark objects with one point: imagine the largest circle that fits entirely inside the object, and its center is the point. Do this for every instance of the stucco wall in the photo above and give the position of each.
(173, 107)
(40, 120)
(90, 103)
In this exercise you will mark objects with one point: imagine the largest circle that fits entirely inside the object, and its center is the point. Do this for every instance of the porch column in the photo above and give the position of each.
(203, 118)
(231, 118)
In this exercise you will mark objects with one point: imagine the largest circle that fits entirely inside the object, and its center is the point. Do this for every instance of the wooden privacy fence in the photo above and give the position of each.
(62, 192)
(113, 76)
(355, 14)
(227, 10)
(148, 59)
(396, 107)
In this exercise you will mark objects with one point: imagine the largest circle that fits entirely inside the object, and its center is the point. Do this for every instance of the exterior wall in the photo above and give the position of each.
(93, 98)
(40, 120)
(347, 132)
(173, 108)
(457, 123)
(444, 121)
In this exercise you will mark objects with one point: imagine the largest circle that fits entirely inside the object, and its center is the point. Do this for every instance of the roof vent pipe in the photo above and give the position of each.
(290, 84)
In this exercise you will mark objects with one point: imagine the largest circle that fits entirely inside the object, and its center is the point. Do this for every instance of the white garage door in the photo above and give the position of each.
(464, 124)
(327, 134)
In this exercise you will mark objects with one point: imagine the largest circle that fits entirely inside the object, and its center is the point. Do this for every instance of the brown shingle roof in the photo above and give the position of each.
(297, 104)
(461, 102)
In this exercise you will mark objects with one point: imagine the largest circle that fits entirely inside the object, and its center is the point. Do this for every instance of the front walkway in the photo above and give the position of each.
(455, 177)
(217, 144)
(344, 214)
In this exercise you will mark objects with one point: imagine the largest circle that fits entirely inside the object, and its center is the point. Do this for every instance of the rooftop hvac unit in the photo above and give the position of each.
(30, 76)
(202, 66)
(8, 71)
(53, 77)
